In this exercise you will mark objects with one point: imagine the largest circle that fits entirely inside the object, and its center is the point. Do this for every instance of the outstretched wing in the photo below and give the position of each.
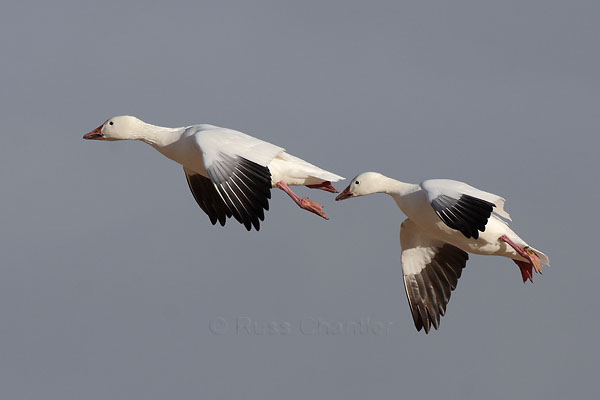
(207, 197)
(463, 207)
(215, 141)
(239, 181)
(430, 269)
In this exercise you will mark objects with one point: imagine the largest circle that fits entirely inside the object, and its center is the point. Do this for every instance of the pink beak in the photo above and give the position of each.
(96, 134)
(344, 195)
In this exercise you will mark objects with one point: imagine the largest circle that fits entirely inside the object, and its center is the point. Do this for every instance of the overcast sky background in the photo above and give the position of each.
(111, 274)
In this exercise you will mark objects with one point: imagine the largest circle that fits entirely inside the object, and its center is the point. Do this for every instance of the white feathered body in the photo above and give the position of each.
(295, 171)
(195, 145)
(417, 207)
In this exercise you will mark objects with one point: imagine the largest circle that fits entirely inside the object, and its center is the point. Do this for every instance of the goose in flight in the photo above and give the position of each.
(446, 220)
(229, 173)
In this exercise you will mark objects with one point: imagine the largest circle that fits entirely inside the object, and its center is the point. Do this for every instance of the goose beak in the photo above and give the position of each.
(344, 195)
(96, 134)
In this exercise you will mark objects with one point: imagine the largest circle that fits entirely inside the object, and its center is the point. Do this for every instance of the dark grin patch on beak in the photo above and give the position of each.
(96, 134)
(344, 195)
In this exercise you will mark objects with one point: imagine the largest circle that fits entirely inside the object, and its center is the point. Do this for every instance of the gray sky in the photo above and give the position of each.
(112, 277)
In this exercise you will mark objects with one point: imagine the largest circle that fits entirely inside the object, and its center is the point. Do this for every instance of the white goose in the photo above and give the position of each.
(229, 173)
(446, 220)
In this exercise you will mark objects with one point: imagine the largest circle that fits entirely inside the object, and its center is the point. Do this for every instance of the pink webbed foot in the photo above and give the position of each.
(526, 270)
(304, 203)
(525, 267)
(326, 186)
(313, 207)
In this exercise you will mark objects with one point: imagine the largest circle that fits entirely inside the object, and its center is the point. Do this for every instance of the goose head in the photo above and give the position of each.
(362, 185)
(117, 128)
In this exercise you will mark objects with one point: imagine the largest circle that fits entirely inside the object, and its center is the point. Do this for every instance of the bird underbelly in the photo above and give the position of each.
(186, 156)
(486, 244)
(197, 168)
(290, 173)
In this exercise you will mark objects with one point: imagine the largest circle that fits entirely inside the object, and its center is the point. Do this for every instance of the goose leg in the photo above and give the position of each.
(326, 186)
(304, 203)
(526, 267)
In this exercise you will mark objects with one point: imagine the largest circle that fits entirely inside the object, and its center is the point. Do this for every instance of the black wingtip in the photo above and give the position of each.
(237, 188)
(429, 290)
(467, 214)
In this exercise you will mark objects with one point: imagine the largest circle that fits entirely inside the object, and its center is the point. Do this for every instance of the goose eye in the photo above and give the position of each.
(357, 183)
(111, 123)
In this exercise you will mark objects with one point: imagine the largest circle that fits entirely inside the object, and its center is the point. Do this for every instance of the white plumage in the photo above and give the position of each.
(229, 173)
(446, 220)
